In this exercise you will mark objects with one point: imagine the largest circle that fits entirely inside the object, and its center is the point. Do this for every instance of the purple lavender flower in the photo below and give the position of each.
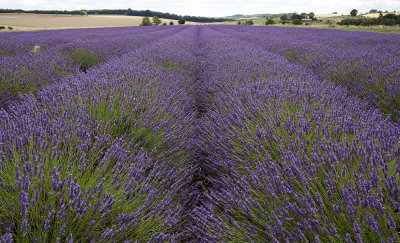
(24, 202)
(7, 238)
(25, 226)
(69, 238)
(62, 230)
(46, 226)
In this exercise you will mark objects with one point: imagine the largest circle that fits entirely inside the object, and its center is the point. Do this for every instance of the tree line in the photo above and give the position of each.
(295, 19)
(388, 20)
(157, 21)
(129, 12)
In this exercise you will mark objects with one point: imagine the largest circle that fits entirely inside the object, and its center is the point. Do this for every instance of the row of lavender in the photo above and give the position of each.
(30, 61)
(367, 64)
(102, 155)
(292, 157)
(203, 135)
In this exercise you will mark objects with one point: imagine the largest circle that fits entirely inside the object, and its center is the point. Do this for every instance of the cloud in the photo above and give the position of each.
(210, 7)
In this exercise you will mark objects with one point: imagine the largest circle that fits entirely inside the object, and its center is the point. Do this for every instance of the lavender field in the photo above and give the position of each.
(199, 134)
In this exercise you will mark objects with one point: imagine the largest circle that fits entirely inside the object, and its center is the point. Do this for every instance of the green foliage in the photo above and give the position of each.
(171, 23)
(164, 24)
(248, 22)
(284, 17)
(311, 15)
(156, 20)
(295, 16)
(388, 20)
(182, 21)
(350, 22)
(391, 16)
(5, 52)
(354, 12)
(170, 65)
(297, 22)
(269, 22)
(85, 58)
(3, 28)
(369, 22)
(84, 13)
(146, 22)
(239, 23)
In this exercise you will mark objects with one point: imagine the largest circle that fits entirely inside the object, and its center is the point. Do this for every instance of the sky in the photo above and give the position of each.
(210, 8)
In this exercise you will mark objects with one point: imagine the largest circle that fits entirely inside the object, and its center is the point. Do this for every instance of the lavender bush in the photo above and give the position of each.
(199, 134)
(296, 158)
(32, 61)
(366, 64)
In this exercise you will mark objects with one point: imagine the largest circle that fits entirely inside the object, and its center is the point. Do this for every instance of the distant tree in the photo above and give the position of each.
(146, 22)
(84, 13)
(239, 23)
(156, 20)
(311, 15)
(284, 17)
(368, 22)
(171, 23)
(354, 12)
(373, 11)
(181, 21)
(283, 21)
(346, 22)
(269, 21)
(393, 18)
(303, 15)
(10, 28)
(164, 23)
(388, 22)
(249, 22)
(297, 22)
(295, 16)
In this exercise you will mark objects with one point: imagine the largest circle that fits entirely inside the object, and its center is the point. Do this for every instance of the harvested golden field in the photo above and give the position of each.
(51, 21)
(330, 15)
(375, 15)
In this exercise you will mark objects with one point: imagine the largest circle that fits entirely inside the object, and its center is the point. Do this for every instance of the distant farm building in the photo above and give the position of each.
(306, 20)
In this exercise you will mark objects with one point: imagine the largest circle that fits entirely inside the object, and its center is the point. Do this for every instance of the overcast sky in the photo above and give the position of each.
(211, 8)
